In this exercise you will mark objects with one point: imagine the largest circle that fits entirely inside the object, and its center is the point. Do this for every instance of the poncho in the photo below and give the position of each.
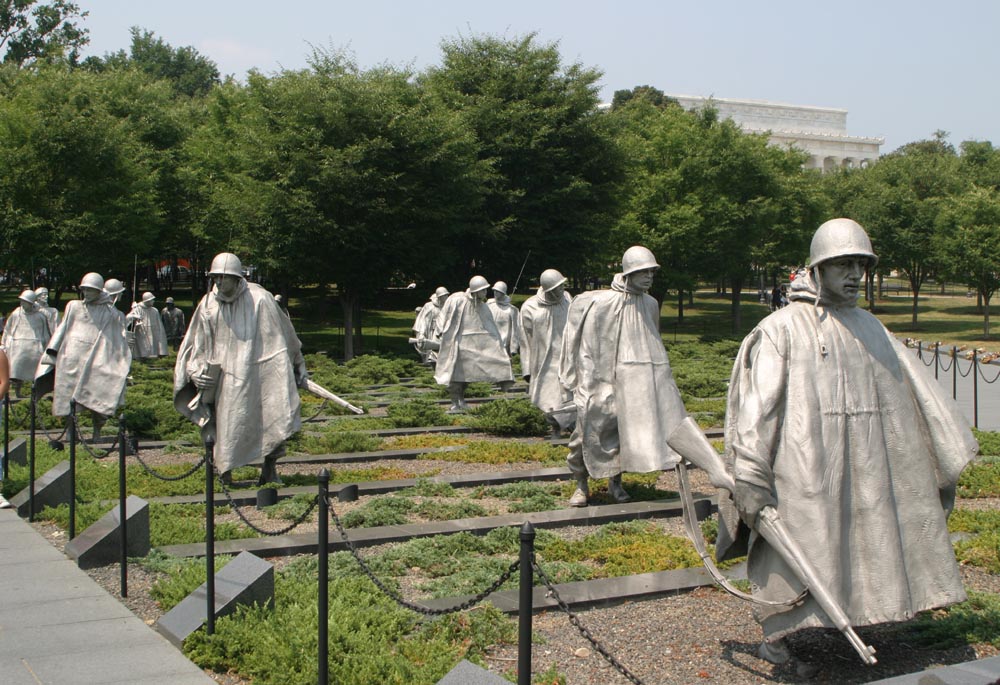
(91, 357)
(614, 363)
(425, 327)
(173, 323)
(542, 324)
(150, 336)
(24, 339)
(506, 317)
(256, 404)
(470, 344)
(831, 413)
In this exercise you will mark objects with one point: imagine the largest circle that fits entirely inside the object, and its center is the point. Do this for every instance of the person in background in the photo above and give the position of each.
(173, 323)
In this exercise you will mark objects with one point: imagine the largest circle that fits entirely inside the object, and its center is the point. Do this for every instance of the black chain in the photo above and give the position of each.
(982, 374)
(270, 533)
(151, 471)
(394, 596)
(83, 443)
(322, 408)
(920, 356)
(963, 375)
(946, 369)
(575, 620)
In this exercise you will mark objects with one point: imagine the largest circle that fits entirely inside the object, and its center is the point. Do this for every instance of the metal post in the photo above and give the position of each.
(323, 581)
(954, 372)
(920, 350)
(122, 512)
(72, 469)
(524, 606)
(6, 434)
(937, 360)
(31, 460)
(210, 535)
(975, 389)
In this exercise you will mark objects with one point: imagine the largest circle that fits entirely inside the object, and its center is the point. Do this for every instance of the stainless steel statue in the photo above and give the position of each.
(543, 318)
(42, 305)
(114, 288)
(238, 369)
(471, 349)
(506, 317)
(24, 338)
(836, 436)
(614, 363)
(89, 355)
(426, 332)
(173, 323)
(150, 335)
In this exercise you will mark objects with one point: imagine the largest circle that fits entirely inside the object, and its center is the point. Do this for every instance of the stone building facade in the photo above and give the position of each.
(819, 131)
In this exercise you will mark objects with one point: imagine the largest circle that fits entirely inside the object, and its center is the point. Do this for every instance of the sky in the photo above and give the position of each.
(903, 69)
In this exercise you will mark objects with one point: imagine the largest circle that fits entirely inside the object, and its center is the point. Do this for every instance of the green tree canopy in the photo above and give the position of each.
(31, 30)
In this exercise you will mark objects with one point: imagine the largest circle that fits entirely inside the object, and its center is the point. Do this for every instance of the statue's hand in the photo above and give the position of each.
(750, 500)
(203, 381)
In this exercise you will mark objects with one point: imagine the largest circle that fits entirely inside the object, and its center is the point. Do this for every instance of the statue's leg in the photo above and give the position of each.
(456, 391)
(505, 386)
(616, 490)
(98, 420)
(579, 470)
(269, 472)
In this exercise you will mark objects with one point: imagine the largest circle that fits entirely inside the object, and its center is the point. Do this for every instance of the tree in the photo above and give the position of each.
(653, 96)
(30, 30)
(552, 190)
(188, 72)
(337, 175)
(969, 233)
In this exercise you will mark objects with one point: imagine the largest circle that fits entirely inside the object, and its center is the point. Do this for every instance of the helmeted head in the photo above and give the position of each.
(500, 287)
(28, 299)
(638, 258)
(42, 295)
(92, 280)
(226, 264)
(550, 280)
(441, 291)
(478, 287)
(439, 296)
(170, 303)
(841, 238)
(114, 287)
(148, 298)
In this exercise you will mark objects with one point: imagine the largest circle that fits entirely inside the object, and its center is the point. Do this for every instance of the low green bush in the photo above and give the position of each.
(434, 510)
(429, 488)
(379, 511)
(491, 452)
(980, 479)
(983, 548)
(989, 442)
(334, 442)
(509, 418)
(974, 621)
(417, 412)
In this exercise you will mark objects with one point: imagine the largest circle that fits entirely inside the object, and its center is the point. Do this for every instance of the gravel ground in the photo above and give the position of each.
(702, 636)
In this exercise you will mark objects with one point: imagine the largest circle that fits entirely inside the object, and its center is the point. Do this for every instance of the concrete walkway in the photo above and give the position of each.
(59, 627)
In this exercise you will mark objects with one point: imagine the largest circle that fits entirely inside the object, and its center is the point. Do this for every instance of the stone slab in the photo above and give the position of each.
(981, 672)
(467, 673)
(51, 490)
(100, 543)
(17, 451)
(246, 580)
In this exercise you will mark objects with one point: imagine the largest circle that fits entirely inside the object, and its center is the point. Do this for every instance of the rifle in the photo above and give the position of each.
(319, 391)
(523, 264)
(688, 441)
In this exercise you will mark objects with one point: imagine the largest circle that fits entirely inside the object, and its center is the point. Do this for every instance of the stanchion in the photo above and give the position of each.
(937, 360)
(975, 389)
(525, 605)
(954, 372)
(72, 469)
(6, 434)
(31, 460)
(323, 580)
(210, 535)
(122, 514)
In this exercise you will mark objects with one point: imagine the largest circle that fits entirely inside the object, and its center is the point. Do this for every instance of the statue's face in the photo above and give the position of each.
(557, 292)
(840, 280)
(227, 285)
(642, 280)
(27, 306)
(480, 296)
(42, 298)
(170, 305)
(90, 294)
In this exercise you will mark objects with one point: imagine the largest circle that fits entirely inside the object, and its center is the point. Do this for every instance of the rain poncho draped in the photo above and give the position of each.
(470, 344)
(425, 328)
(506, 316)
(91, 358)
(256, 403)
(614, 363)
(150, 336)
(832, 414)
(24, 339)
(173, 324)
(542, 323)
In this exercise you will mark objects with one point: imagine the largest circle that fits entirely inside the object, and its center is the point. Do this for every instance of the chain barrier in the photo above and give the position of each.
(269, 533)
(946, 369)
(575, 620)
(959, 369)
(322, 408)
(394, 596)
(982, 375)
(87, 447)
(920, 356)
(151, 471)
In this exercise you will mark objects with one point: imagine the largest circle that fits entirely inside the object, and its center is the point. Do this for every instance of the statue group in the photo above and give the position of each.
(841, 455)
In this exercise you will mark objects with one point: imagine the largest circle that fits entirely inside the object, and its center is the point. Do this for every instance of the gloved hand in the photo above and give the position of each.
(750, 499)
(301, 375)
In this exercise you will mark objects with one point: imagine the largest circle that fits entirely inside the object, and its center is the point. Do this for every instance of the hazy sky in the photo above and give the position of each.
(902, 68)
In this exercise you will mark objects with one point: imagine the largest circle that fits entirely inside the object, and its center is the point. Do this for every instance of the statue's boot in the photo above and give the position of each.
(581, 494)
(227, 478)
(616, 490)
(269, 471)
(778, 653)
(456, 391)
(98, 420)
(506, 386)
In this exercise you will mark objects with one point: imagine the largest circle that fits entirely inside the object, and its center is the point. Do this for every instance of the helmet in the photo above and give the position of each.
(500, 287)
(170, 300)
(28, 296)
(278, 298)
(840, 238)
(113, 286)
(638, 258)
(148, 297)
(226, 264)
(41, 291)
(92, 280)
(441, 291)
(550, 280)
(477, 284)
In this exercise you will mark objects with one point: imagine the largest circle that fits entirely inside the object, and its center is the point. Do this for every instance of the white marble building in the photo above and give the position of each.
(819, 131)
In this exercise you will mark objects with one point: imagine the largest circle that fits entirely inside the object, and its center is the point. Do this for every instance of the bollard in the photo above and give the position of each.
(31, 460)
(954, 372)
(975, 389)
(937, 360)
(122, 513)
(210, 535)
(6, 433)
(920, 350)
(267, 497)
(72, 469)
(524, 606)
(323, 580)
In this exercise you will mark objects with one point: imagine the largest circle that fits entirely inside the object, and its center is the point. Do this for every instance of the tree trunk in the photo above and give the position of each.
(680, 305)
(347, 305)
(737, 289)
(986, 314)
(359, 347)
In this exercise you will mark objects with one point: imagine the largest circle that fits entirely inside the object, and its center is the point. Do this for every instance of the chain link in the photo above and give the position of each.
(322, 408)
(982, 375)
(394, 596)
(83, 443)
(269, 533)
(151, 471)
(575, 620)
(946, 369)
(959, 369)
